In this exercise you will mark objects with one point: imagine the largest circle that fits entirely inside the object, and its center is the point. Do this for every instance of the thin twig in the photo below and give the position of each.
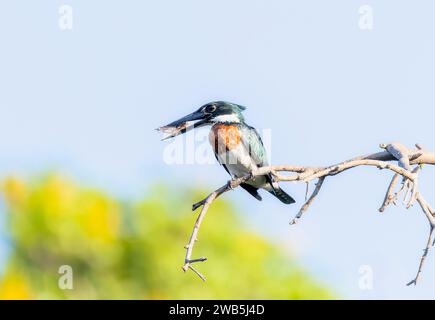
(427, 209)
(389, 196)
(307, 190)
(197, 272)
(423, 257)
(193, 238)
(205, 203)
(309, 201)
(415, 186)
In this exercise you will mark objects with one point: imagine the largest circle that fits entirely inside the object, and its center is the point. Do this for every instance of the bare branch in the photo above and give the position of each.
(393, 152)
(205, 205)
(427, 209)
(307, 190)
(423, 257)
(309, 201)
(390, 196)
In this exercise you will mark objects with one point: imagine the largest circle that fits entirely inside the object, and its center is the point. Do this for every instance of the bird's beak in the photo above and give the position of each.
(181, 125)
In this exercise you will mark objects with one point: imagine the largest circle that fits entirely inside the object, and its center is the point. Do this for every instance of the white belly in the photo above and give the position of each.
(239, 164)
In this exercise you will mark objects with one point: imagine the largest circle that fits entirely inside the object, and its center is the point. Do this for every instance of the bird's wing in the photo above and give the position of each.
(254, 145)
(222, 164)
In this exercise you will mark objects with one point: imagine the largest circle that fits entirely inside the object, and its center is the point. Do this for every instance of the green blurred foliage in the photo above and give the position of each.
(123, 250)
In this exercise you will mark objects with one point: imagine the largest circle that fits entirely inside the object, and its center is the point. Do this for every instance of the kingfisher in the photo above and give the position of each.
(237, 146)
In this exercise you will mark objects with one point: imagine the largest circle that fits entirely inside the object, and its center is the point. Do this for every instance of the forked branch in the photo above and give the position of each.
(405, 158)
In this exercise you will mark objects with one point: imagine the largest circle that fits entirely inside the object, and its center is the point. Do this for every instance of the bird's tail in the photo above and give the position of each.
(281, 194)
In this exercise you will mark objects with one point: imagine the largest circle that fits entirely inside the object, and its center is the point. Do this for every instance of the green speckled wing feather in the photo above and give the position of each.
(253, 143)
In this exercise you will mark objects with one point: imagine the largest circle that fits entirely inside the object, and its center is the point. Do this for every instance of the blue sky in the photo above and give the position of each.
(86, 102)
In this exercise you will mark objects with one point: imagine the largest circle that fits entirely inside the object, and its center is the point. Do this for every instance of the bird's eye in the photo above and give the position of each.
(210, 108)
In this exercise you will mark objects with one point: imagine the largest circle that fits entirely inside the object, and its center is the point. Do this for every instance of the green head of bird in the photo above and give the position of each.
(208, 114)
